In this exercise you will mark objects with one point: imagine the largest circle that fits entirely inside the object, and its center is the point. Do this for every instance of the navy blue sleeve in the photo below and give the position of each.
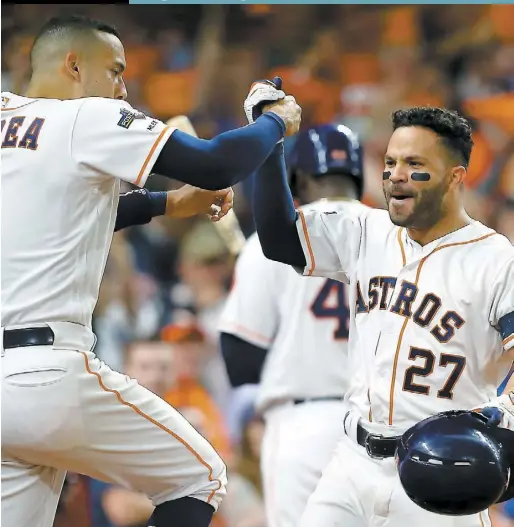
(138, 207)
(274, 212)
(222, 161)
(506, 325)
(243, 360)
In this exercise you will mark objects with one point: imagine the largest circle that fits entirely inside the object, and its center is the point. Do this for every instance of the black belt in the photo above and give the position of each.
(316, 399)
(21, 338)
(377, 446)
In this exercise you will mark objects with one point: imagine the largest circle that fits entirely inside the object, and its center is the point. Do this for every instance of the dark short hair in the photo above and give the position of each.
(453, 129)
(65, 26)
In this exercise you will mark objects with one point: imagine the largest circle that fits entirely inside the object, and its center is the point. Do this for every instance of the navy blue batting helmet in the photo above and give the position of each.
(453, 464)
(326, 149)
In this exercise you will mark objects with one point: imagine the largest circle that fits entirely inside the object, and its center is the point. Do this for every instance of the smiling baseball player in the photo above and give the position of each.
(65, 147)
(433, 303)
(295, 332)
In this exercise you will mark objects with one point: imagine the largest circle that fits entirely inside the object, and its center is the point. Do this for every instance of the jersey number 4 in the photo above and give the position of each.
(330, 302)
(455, 363)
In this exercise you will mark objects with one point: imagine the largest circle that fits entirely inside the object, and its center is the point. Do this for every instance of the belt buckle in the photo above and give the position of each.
(369, 437)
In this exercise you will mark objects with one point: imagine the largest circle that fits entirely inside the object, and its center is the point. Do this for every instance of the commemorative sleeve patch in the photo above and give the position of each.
(128, 117)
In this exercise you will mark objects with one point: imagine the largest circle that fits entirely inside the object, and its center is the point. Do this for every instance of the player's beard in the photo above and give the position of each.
(428, 208)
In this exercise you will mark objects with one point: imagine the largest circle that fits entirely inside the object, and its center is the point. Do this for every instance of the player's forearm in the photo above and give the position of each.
(243, 360)
(139, 207)
(274, 212)
(223, 161)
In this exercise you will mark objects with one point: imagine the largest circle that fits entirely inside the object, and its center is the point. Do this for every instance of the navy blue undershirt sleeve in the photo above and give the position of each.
(138, 207)
(223, 161)
(243, 360)
(158, 203)
(274, 212)
(506, 325)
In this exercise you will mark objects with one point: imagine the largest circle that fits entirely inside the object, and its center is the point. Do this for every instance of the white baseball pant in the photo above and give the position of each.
(64, 409)
(299, 441)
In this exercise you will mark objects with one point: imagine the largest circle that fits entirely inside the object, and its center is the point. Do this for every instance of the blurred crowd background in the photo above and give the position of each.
(166, 282)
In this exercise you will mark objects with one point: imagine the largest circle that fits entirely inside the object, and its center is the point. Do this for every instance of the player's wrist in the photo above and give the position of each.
(158, 203)
(278, 119)
(172, 199)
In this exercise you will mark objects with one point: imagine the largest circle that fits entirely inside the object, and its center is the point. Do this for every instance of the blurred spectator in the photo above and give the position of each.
(205, 269)
(176, 52)
(251, 448)
(117, 304)
(480, 76)
(73, 508)
(243, 506)
(506, 221)
(16, 64)
(185, 389)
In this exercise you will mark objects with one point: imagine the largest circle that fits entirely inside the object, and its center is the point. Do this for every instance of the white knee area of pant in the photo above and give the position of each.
(208, 482)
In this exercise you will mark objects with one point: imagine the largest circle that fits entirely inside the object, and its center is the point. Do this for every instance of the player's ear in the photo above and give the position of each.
(71, 66)
(458, 175)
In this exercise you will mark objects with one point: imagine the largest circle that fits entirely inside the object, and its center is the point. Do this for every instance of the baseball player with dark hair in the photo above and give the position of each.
(432, 297)
(66, 145)
(290, 334)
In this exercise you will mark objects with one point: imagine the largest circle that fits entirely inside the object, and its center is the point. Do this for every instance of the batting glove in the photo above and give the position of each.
(499, 412)
(261, 93)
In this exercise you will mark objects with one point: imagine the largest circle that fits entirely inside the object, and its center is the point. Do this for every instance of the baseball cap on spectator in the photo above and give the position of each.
(203, 245)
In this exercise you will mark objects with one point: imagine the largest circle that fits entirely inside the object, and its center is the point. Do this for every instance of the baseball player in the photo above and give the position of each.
(302, 352)
(65, 146)
(431, 310)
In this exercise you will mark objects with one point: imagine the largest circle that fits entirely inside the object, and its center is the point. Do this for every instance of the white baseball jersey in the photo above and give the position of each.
(432, 323)
(61, 166)
(303, 322)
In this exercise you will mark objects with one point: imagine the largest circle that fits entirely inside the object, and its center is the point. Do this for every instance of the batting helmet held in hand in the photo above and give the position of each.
(454, 464)
(326, 150)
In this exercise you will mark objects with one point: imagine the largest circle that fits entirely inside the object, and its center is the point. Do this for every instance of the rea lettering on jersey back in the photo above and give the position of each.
(407, 304)
(18, 132)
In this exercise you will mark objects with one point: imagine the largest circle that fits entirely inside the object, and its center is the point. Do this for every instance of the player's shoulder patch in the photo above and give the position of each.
(5, 101)
(128, 117)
